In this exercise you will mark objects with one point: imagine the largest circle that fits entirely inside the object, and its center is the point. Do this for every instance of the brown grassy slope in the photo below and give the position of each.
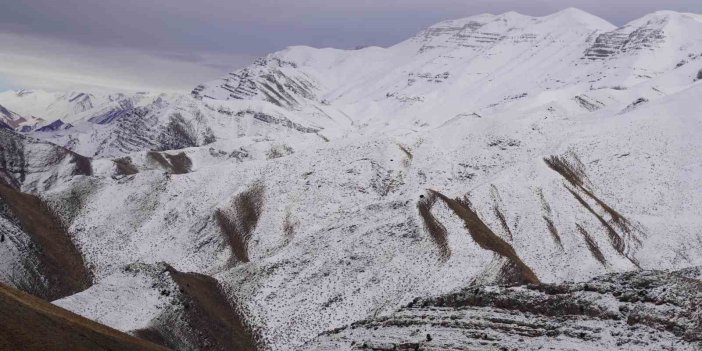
(486, 238)
(238, 221)
(180, 163)
(573, 172)
(212, 314)
(174, 164)
(81, 164)
(60, 261)
(614, 238)
(616, 217)
(158, 158)
(503, 221)
(436, 230)
(592, 245)
(28, 323)
(124, 166)
(554, 232)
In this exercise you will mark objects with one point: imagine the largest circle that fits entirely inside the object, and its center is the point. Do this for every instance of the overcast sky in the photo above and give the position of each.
(175, 44)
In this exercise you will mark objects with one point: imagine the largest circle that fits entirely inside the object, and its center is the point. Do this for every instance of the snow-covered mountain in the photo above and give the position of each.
(40, 111)
(321, 187)
(9, 118)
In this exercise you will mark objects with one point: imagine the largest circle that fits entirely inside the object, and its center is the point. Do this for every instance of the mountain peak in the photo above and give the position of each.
(664, 17)
(569, 15)
(23, 92)
(575, 15)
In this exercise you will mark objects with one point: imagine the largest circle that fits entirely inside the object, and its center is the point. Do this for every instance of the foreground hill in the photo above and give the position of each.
(28, 323)
(645, 310)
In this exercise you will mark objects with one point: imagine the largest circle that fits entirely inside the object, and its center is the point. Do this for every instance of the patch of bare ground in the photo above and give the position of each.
(592, 245)
(547, 218)
(31, 324)
(436, 230)
(180, 163)
(124, 166)
(152, 334)
(614, 238)
(175, 164)
(289, 227)
(554, 231)
(408, 153)
(219, 324)
(81, 164)
(498, 212)
(544, 204)
(574, 173)
(59, 261)
(617, 242)
(238, 220)
(620, 221)
(486, 238)
(158, 158)
(503, 221)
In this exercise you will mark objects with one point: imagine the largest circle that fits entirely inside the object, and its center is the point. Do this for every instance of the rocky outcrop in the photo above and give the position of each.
(270, 79)
(646, 310)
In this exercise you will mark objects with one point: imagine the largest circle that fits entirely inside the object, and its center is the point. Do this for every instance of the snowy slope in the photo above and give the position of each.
(467, 66)
(10, 118)
(68, 106)
(320, 187)
(340, 236)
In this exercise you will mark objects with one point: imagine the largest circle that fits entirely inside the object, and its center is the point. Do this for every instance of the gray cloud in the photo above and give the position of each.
(199, 36)
(37, 62)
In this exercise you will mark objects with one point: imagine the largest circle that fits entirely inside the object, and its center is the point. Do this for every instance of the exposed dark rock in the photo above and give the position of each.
(643, 310)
